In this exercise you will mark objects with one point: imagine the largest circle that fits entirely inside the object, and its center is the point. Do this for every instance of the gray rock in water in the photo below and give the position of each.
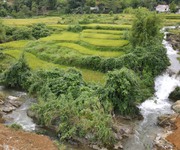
(8, 109)
(15, 103)
(167, 121)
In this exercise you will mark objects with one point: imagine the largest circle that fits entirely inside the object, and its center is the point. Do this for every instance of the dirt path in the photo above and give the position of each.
(174, 138)
(20, 140)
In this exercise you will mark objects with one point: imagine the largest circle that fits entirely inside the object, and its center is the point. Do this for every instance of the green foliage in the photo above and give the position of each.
(146, 28)
(2, 32)
(57, 92)
(40, 30)
(172, 7)
(22, 33)
(75, 28)
(85, 118)
(16, 126)
(123, 89)
(175, 95)
(16, 75)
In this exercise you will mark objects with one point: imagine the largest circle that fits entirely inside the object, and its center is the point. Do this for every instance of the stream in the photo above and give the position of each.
(159, 104)
(146, 130)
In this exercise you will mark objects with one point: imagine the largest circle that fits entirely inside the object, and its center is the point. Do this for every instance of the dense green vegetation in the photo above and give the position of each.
(28, 8)
(98, 46)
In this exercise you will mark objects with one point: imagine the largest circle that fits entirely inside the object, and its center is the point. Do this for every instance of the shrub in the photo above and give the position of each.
(40, 30)
(22, 33)
(17, 74)
(123, 87)
(175, 95)
(75, 28)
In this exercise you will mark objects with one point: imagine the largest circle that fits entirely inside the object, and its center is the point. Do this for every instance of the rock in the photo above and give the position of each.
(167, 121)
(15, 103)
(1, 102)
(118, 146)
(160, 143)
(175, 95)
(176, 106)
(8, 109)
(12, 98)
(32, 114)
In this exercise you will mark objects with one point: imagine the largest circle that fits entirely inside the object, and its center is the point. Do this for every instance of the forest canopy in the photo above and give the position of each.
(25, 8)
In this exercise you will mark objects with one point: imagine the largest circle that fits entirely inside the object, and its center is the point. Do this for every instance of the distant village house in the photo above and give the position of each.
(162, 8)
(94, 8)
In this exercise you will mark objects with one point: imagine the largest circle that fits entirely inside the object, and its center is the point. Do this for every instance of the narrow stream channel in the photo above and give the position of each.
(159, 104)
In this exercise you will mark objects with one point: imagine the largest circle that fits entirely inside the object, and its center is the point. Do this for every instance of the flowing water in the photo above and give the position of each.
(19, 116)
(147, 130)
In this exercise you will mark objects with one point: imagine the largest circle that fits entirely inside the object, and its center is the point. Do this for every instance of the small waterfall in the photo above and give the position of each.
(159, 104)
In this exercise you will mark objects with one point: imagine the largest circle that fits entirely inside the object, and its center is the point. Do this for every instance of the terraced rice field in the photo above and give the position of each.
(36, 63)
(84, 50)
(96, 39)
(172, 19)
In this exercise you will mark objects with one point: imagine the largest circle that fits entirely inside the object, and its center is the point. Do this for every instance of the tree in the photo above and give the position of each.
(146, 27)
(122, 90)
(172, 7)
(2, 33)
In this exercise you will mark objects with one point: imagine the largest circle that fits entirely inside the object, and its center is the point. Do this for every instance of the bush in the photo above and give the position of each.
(175, 95)
(123, 88)
(40, 30)
(75, 28)
(16, 75)
(22, 33)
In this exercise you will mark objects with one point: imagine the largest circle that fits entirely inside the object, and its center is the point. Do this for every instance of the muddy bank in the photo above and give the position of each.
(12, 139)
(174, 138)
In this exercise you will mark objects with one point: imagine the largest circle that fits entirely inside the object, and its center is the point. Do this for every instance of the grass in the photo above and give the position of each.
(115, 32)
(105, 43)
(25, 22)
(36, 63)
(15, 44)
(87, 51)
(65, 36)
(107, 26)
(101, 36)
(33, 61)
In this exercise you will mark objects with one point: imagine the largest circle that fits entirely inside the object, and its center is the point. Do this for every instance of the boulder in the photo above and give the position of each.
(176, 106)
(8, 109)
(15, 103)
(167, 121)
(160, 143)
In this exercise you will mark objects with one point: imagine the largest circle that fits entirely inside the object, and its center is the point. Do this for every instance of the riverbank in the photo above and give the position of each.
(12, 139)
(174, 138)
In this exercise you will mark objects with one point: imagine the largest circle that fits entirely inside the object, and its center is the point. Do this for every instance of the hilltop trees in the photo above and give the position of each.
(146, 28)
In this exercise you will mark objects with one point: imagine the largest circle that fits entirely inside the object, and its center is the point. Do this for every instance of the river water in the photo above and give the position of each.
(147, 130)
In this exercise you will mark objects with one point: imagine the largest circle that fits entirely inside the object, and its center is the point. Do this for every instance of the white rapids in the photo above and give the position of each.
(146, 130)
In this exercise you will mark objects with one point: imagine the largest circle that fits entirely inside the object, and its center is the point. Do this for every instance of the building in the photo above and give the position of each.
(162, 8)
